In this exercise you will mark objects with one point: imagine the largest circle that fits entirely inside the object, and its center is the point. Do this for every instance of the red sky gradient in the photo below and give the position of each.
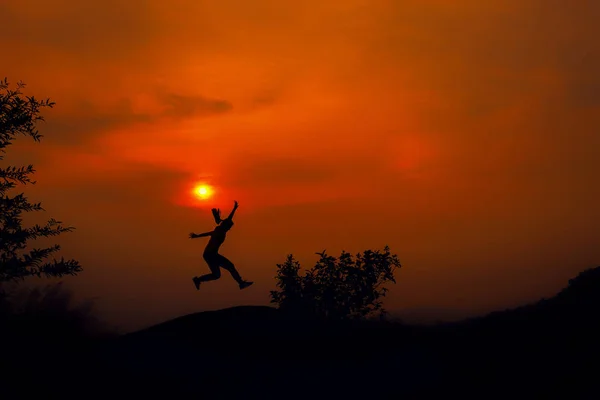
(465, 136)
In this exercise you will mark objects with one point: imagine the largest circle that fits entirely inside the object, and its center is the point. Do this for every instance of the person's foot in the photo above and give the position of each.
(245, 284)
(196, 282)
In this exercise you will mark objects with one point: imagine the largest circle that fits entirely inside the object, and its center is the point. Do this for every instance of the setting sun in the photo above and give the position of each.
(203, 192)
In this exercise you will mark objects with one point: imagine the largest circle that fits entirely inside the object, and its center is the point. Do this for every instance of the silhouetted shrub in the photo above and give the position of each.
(587, 283)
(345, 287)
(18, 116)
(48, 314)
(583, 292)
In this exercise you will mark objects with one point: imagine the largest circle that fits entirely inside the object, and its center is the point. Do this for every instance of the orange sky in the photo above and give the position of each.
(464, 136)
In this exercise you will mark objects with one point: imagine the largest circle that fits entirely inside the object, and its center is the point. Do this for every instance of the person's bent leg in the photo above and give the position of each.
(215, 273)
(228, 265)
(209, 277)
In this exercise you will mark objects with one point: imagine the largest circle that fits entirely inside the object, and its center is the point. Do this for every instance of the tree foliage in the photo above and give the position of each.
(19, 115)
(343, 287)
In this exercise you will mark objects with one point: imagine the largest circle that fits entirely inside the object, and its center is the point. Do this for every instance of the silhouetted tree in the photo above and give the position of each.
(336, 288)
(18, 116)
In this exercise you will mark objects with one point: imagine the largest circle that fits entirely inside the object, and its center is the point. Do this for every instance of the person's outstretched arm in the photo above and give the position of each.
(198, 235)
(235, 206)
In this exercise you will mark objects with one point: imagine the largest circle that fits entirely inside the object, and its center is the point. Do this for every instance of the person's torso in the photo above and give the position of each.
(215, 241)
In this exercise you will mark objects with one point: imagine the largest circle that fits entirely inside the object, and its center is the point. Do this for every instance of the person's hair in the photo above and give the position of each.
(217, 215)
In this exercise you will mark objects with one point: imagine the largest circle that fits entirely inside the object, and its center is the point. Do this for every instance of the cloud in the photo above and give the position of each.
(87, 120)
(276, 170)
(181, 106)
(127, 187)
(99, 30)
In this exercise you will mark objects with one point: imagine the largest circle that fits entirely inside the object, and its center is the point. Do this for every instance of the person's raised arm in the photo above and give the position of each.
(235, 206)
(198, 235)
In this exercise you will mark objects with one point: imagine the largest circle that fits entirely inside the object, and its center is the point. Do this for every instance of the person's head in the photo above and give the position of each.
(226, 224)
(217, 215)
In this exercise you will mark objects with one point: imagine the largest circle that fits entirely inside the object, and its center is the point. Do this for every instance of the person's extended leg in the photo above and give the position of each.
(228, 265)
(215, 273)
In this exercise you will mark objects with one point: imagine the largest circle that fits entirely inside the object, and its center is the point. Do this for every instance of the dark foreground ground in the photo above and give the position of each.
(545, 350)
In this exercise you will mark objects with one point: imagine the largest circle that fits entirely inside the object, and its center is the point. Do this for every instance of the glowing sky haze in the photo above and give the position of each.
(464, 135)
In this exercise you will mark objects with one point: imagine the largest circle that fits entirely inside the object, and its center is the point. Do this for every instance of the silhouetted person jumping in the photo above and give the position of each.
(211, 252)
